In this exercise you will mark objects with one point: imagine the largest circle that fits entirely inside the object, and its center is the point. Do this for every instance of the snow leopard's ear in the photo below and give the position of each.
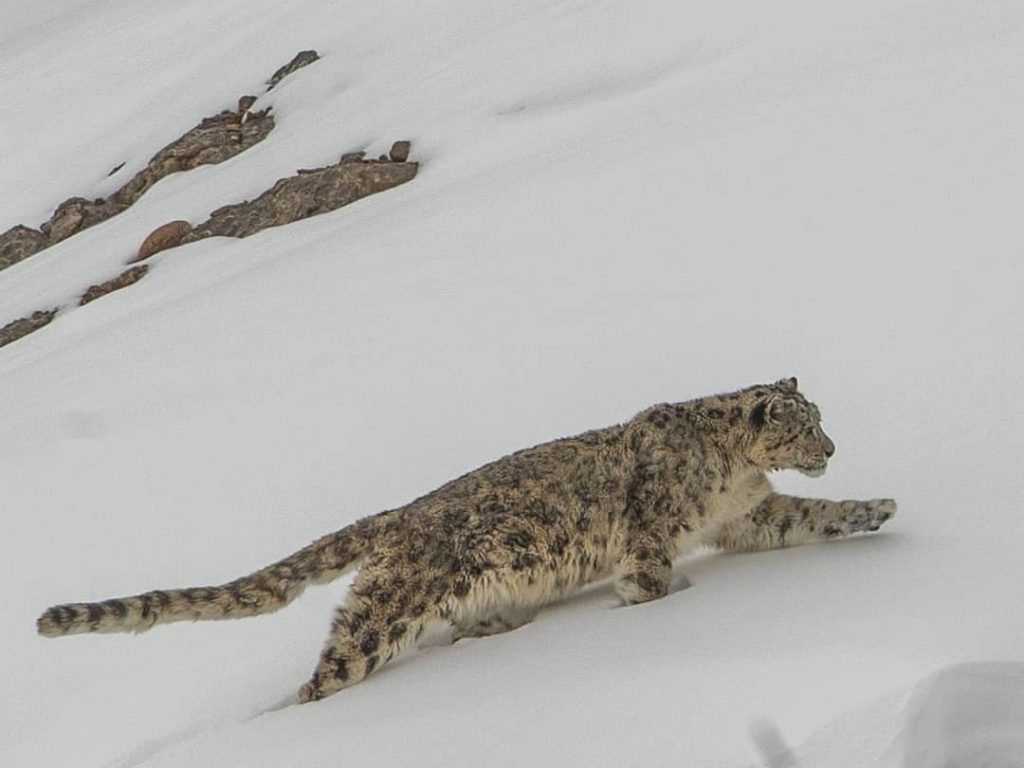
(773, 408)
(787, 385)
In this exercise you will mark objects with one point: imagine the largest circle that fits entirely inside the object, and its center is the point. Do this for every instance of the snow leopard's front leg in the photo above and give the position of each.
(787, 521)
(644, 571)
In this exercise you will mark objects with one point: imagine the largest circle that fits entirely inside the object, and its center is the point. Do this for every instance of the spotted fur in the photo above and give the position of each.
(486, 551)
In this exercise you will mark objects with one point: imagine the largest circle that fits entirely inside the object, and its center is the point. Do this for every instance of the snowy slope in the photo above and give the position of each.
(618, 204)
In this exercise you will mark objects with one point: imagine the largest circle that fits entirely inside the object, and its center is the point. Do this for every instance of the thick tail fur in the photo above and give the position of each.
(264, 591)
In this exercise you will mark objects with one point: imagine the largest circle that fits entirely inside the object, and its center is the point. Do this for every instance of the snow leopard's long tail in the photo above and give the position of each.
(264, 591)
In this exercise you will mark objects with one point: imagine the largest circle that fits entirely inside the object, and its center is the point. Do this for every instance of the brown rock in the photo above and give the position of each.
(19, 243)
(25, 325)
(400, 151)
(126, 278)
(353, 157)
(162, 238)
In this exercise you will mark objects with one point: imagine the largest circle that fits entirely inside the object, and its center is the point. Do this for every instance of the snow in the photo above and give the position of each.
(618, 204)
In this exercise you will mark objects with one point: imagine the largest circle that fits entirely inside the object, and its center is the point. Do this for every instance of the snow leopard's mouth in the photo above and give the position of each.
(813, 470)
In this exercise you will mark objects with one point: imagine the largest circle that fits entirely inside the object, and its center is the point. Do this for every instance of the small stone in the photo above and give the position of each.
(400, 151)
(162, 238)
(352, 157)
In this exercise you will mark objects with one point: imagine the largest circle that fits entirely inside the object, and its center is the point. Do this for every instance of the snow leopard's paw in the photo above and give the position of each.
(867, 515)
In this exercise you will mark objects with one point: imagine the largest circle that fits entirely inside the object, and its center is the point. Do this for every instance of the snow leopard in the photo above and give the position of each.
(486, 551)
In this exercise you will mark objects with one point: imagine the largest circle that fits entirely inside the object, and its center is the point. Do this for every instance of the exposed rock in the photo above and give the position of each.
(162, 238)
(126, 278)
(66, 219)
(76, 214)
(302, 58)
(19, 243)
(352, 157)
(115, 169)
(308, 193)
(25, 325)
(399, 151)
(214, 140)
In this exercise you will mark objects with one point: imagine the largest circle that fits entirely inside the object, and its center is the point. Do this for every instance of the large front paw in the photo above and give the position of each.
(642, 587)
(868, 515)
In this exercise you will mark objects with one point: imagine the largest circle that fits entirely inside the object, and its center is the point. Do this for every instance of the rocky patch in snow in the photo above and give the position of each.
(302, 59)
(214, 140)
(19, 243)
(309, 192)
(15, 329)
(126, 278)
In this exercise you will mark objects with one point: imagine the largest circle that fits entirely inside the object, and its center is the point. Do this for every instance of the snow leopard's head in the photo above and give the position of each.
(786, 430)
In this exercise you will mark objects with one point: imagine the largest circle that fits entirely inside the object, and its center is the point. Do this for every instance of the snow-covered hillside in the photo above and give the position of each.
(617, 204)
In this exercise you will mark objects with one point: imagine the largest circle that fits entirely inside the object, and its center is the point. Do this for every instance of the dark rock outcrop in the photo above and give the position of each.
(25, 325)
(19, 243)
(126, 278)
(214, 140)
(302, 59)
(308, 193)
(76, 214)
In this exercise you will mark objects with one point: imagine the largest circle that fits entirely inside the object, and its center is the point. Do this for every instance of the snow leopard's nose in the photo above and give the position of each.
(828, 446)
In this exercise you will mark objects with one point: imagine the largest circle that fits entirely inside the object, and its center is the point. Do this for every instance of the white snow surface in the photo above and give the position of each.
(619, 203)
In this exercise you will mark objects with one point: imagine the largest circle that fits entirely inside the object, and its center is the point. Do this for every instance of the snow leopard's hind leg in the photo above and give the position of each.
(787, 521)
(386, 611)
